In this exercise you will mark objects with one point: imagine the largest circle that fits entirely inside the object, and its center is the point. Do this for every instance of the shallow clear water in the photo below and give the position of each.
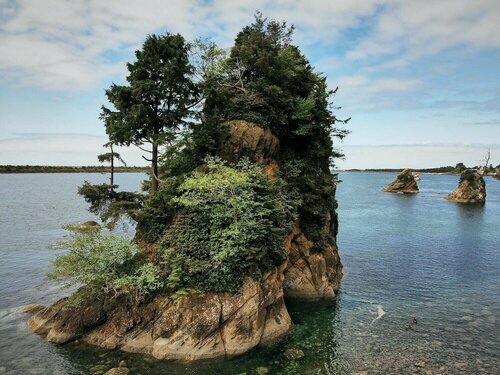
(404, 256)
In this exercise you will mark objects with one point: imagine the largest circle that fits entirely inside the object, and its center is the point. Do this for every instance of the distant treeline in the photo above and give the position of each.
(66, 169)
(448, 169)
(457, 169)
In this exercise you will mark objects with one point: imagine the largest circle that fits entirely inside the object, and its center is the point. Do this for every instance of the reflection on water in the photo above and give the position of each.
(405, 256)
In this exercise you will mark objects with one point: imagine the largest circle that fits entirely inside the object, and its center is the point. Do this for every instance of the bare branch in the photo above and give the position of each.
(143, 149)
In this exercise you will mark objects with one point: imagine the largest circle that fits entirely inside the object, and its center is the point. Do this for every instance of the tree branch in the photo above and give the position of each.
(143, 149)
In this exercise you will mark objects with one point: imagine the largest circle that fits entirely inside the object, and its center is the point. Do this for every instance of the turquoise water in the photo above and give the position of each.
(404, 257)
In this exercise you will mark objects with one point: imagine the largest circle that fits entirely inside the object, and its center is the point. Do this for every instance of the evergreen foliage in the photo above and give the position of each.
(270, 82)
(158, 99)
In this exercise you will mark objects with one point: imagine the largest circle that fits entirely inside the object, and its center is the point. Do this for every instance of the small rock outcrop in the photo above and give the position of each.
(471, 188)
(32, 308)
(404, 183)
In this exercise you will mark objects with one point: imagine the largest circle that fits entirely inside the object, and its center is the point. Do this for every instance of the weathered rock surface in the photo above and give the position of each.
(31, 308)
(246, 139)
(307, 274)
(471, 188)
(404, 183)
(189, 328)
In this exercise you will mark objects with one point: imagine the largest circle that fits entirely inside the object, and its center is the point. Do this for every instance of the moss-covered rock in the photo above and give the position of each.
(404, 183)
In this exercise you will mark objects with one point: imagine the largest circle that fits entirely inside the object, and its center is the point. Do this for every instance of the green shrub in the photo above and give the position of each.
(146, 280)
(232, 223)
(103, 263)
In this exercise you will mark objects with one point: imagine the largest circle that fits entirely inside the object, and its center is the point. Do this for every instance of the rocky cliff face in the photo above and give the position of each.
(211, 325)
(307, 274)
(471, 188)
(404, 183)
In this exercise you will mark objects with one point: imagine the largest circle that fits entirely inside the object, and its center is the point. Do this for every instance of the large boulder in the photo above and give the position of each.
(188, 328)
(247, 139)
(404, 183)
(471, 188)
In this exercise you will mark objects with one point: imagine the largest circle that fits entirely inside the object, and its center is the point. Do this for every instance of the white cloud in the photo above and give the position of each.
(63, 45)
(360, 92)
(418, 28)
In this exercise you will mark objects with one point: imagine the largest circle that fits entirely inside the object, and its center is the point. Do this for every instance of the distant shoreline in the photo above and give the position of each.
(436, 171)
(9, 169)
(398, 170)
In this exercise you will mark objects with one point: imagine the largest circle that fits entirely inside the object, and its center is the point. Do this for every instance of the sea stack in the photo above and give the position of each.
(471, 188)
(210, 325)
(404, 183)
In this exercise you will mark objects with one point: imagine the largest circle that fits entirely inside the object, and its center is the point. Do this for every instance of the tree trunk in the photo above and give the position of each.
(112, 177)
(154, 168)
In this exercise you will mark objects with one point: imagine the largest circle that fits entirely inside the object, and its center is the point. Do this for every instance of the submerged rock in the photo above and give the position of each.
(294, 353)
(118, 371)
(404, 183)
(32, 308)
(471, 188)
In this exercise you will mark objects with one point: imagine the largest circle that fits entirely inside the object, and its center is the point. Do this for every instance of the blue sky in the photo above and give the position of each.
(420, 79)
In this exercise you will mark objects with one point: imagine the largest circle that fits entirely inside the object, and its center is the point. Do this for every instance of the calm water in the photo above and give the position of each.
(404, 256)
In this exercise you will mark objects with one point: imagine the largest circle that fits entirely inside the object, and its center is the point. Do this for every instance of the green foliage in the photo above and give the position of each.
(110, 205)
(269, 81)
(103, 263)
(144, 281)
(108, 157)
(405, 177)
(98, 196)
(468, 175)
(231, 225)
(158, 99)
(92, 258)
(159, 210)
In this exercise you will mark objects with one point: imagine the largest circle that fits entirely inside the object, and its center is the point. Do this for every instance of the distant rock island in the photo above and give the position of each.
(404, 183)
(471, 188)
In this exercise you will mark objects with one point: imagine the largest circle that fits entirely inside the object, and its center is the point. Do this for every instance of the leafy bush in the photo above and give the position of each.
(231, 224)
(103, 263)
(146, 280)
